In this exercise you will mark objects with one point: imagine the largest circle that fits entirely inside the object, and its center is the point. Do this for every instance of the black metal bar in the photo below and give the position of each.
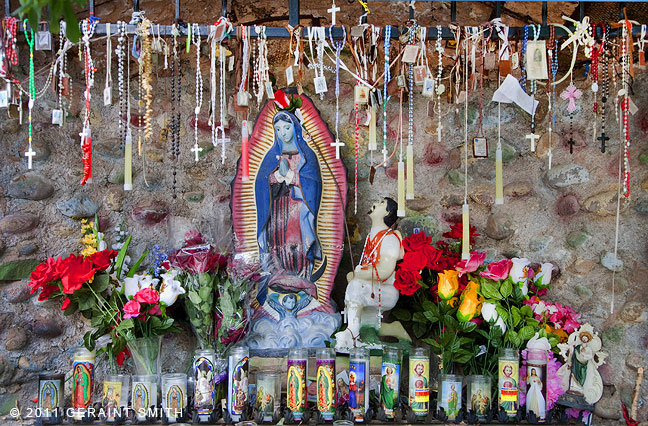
(622, 6)
(293, 12)
(136, 6)
(453, 11)
(177, 10)
(224, 8)
(91, 9)
(544, 13)
(411, 12)
(581, 10)
(7, 7)
(498, 9)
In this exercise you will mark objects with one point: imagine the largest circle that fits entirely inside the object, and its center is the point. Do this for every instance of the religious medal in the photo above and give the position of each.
(361, 94)
(43, 37)
(410, 54)
(290, 79)
(107, 94)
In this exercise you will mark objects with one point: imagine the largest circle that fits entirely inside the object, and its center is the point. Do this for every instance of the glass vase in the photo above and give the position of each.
(199, 304)
(146, 352)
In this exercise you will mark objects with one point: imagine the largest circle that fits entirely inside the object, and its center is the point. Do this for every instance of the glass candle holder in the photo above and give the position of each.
(82, 381)
(220, 381)
(479, 395)
(390, 382)
(268, 387)
(536, 383)
(419, 381)
(237, 381)
(114, 395)
(174, 396)
(325, 382)
(204, 391)
(51, 392)
(450, 386)
(359, 382)
(296, 382)
(144, 394)
(508, 380)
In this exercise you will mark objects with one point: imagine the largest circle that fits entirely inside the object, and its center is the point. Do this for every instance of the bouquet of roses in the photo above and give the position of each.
(200, 268)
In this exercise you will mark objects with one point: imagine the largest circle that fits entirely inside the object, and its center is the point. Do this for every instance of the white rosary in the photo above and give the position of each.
(218, 132)
(261, 66)
(195, 36)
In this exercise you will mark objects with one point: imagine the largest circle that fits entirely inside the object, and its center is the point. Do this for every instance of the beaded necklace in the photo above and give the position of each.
(58, 115)
(145, 62)
(176, 75)
(594, 76)
(605, 90)
(88, 28)
(11, 28)
(339, 45)
(387, 77)
(121, 50)
(195, 39)
(410, 119)
(523, 74)
(625, 104)
(440, 88)
(242, 100)
(261, 67)
(552, 100)
(29, 35)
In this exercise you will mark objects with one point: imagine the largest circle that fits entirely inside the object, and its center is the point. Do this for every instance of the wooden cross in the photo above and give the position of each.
(332, 11)
(29, 154)
(337, 144)
(603, 138)
(196, 150)
(532, 137)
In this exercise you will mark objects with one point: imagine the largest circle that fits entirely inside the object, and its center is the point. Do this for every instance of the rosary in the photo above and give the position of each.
(338, 49)
(594, 75)
(625, 104)
(387, 77)
(145, 66)
(88, 28)
(410, 119)
(29, 35)
(195, 39)
(553, 55)
(242, 100)
(261, 67)
(440, 88)
(218, 132)
(58, 115)
(176, 74)
(606, 92)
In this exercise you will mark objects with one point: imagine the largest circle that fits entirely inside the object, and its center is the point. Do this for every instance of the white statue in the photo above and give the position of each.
(583, 356)
(372, 282)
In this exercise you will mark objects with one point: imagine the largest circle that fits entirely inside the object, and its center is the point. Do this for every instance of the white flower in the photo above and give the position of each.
(525, 287)
(541, 307)
(147, 280)
(545, 273)
(519, 270)
(537, 342)
(500, 323)
(488, 312)
(170, 288)
(132, 286)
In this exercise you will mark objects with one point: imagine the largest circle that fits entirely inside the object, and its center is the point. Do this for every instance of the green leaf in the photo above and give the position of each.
(526, 332)
(419, 329)
(18, 269)
(450, 322)
(119, 263)
(467, 326)
(205, 293)
(429, 306)
(85, 299)
(490, 291)
(100, 282)
(431, 316)
(126, 324)
(401, 314)
(133, 270)
(526, 311)
(71, 310)
(89, 340)
(436, 347)
(502, 313)
(506, 289)
(194, 298)
(419, 317)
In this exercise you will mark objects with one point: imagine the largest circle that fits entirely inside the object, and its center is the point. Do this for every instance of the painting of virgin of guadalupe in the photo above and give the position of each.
(290, 216)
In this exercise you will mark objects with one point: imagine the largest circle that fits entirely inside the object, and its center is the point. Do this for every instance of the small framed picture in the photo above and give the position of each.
(480, 147)
(107, 96)
(400, 80)
(410, 54)
(269, 90)
(420, 72)
(320, 85)
(43, 40)
(515, 61)
(428, 87)
(536, 60)
(57, 117)
(4, 99)
(290, 78)
(361, 94)
(230, 64)
(242, 98)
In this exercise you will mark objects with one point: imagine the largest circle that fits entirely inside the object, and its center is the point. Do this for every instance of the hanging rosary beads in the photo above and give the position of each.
(410, 118)
(176, 75)
(626, 39)
(145, 69)
(605, 93)
(387, 77)
(440, 88)
(58, 115)
(195, 39)
(553, 55)
(122, 53)
(29, 35)
(339, 45)
(261, 67)
(88, 28)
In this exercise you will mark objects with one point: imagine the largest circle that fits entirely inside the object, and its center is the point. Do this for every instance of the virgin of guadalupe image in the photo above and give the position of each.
(81, 379)
(290, 214)
(534, 399)
(294, 390)
(324, 396)
(140, 399)
(48, 397)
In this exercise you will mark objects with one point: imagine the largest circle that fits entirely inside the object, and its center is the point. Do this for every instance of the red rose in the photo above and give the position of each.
(45, 273)
(66, 304)
(497, 271)
(46, 292)
(416, 242)
(131, 309)
(432, 256)
(147, 295)
(122, 356)
(155, 310)
(101, 259)
(414, 260)
(406, 281)
(77, 271)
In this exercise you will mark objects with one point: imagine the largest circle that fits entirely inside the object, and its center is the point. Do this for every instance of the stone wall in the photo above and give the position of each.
(565, 215)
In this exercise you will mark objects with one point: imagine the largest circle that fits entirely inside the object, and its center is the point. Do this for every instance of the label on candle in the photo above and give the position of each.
(143, 397)
(358, 401)
(49, 395)
(238, 385)
(82, 382)
(389, 387)
(175, 401)
(296, 387)
(536, 395)
(111, 399)
(450, 399)
(479, 397)
(266, 397)
(419, 387)
(509, 375)
(326, 388)
(204, 394)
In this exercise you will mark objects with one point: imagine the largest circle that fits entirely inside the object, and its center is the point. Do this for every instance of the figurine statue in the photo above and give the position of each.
(583, 356)
(371, 284)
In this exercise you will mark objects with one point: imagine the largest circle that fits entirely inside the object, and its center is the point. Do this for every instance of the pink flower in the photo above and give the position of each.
(147, 295)
(155, 310)
(131, 309)
(497, 271)
(475, 261)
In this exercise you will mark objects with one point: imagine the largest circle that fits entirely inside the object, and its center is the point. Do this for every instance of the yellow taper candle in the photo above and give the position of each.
(465, 239)
(128, 161)
(499, 189)
(410, 172)
(401, 189)
(372, 130)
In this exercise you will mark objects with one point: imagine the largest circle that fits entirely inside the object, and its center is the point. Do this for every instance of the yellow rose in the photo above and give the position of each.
(448, 284)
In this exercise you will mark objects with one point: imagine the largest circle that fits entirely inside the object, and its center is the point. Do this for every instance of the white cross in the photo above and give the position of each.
(337, 144)
(532, 137)
(344, 314)
(196, 149)
(332, 11)
(29, 154)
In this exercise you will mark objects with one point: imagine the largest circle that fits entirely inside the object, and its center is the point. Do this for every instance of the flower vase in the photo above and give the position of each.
(199, 304)
(146, 353)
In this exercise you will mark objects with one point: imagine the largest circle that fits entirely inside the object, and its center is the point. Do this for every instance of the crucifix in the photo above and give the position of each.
(196, 150)
(29, 154)
(532, 137)
(603, 138)
(337, 144)
(332, 11)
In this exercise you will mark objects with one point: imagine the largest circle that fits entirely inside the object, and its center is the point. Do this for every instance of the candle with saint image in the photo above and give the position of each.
(410, 172)
(82, 381)
(465, 238)
(245, 161)
(499, 190)
(401, 189)
(128, 161)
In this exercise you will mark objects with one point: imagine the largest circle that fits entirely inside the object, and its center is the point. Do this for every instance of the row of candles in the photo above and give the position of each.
(217, 380)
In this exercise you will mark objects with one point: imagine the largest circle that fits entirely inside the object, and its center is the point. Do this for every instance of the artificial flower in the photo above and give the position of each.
(456, 232)
(448, 284)
(170, 288)
(406, 281)
(519, 270)
(44, 274)
(122, 356)
(472, 263)
(131, 286)
(497, 271)
(544, 274)
(501, 324)
(558, 332)
(416, 241)
(155, 310)
(414, 260)
(101, 260)
(78, 270)
(470, 303)
(88, 251)
(537, 342)
(489, 312)
(66, 304)
(147, 295)
(131, 309)
(433, 255)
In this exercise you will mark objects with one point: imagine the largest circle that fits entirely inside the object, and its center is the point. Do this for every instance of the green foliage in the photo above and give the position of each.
(17, 270)
(58, 9)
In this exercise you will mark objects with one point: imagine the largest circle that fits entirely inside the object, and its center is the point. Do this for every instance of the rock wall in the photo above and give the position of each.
(565, 215)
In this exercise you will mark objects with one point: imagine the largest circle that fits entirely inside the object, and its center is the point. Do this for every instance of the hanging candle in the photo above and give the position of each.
(410, 172)
(245, 159)
(204, 395)
(372, 129)
(499, 188)
(237, 388)
(465, 238)
(128, 161)
(296, 382)
(82, 381)
(50, 396)
(401, 189)
(326, 383)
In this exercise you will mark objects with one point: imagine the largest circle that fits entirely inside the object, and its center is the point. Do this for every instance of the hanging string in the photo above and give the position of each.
(465, 210)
